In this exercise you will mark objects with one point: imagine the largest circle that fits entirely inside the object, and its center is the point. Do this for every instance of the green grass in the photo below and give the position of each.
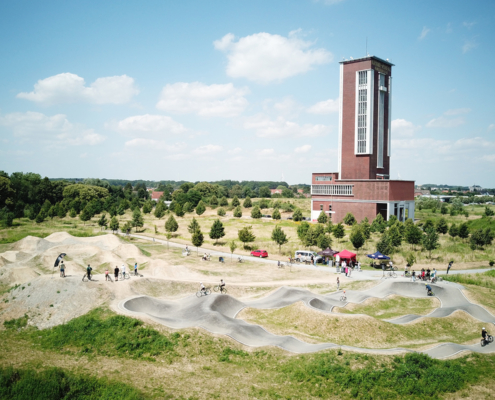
(55, 383)
(484, 279)
(16, 323)
(106, 334)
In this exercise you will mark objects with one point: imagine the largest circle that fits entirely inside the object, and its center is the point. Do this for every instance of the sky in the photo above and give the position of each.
(241, 90)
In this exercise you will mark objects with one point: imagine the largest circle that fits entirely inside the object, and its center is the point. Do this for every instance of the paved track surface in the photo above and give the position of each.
(216, 313)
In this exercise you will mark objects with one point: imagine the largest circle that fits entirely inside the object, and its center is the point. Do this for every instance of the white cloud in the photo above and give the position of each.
(325, 107)
(442, 122)
(152, 144)
(150, 125)
(205, 100)
(424, 32)
(457, 111)
(54, 130)
(468, 25)
(208, 149)
(281, 128)
(237, 150)
(491, 127)
(70, 88)
(403, 128)
(263, 57)
(469, 45)
(303, 149)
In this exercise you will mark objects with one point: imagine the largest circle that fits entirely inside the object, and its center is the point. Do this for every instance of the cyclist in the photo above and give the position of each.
(222, 285)
(429, 291)
(202, 287)
(428, 273)
(433, 274)
(484, 334)
(88, 271)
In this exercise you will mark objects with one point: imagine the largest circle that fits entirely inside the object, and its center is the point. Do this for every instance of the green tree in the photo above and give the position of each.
(395, 235)
(223, 202)
(127, 227)
(6, 192)
(457, 205)
(255, 212)
(428, 224)
(378, 224)
(193, 226)
(40, 217)
(444, 209)
(454, 231)
(302, 230)
(264, 192)
(322, 218)
(279, 237)
(187, 207)
(365, 225)
(73, 213)
(238, 212)
(324, 241)
(52, 212)
(329, 227)
(148, 206)
(114, 224)
(247, 202)
(442, 226)
(217, 230)
(171, 224)
(213, 201)
(276, 214)
(160, 210)
(357, 237)
(430, 240)
(391, 220)
(488, 212)
(312, 234)
(85, 215)
(464, 230)
(349, 219)
(235, 202)
(410, 259)
(137, 219)
(339, 231)
(246, 235)
(297, 215)
(232, 247)
(413, 235)
(103, 222)
(221, 212)
(480, 238)
(178, 210)
(200, 208)
(197, 239)
(384, 245)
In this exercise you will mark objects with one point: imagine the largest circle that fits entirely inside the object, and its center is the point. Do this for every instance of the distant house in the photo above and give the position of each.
(422, 192)
(155, 196)
(300, 190)
(276, 191)
(475, 188)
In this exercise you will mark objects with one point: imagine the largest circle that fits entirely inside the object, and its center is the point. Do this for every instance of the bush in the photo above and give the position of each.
(276, 214)
(256, 213)
(349, 219)
(491, 263)
(221, 212)
(297, 215)
(238, 212)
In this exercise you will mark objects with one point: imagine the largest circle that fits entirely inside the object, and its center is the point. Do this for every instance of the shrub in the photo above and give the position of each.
(297, 215)
(256, 213)
(349, 219)
(238, 212)
(276, 214)
(247, 202)
(221, 212)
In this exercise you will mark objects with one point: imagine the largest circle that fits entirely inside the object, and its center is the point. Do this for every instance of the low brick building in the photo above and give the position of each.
(362, 185)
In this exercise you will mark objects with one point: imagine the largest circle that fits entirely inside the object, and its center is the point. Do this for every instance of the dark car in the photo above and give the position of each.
(259, 253)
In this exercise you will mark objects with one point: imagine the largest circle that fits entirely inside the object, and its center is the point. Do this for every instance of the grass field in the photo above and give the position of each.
(191, 364)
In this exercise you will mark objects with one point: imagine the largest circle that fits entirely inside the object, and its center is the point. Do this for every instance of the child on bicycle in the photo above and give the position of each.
(484, 334)
(222, 285)
(202, 287)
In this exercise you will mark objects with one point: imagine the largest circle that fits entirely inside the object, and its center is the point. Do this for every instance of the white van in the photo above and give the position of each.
(305, 255)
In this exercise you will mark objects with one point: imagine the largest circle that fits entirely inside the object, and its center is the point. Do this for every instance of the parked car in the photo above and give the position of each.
(305, 255)
(259, 253)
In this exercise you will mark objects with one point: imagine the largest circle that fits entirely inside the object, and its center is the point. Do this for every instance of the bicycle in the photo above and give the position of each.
(124, 275)
(343, 297)
(205, 292)
(239, 259)
(489, 339)
(222, 290)
(392, 274)
(280, 265)
(85, 278)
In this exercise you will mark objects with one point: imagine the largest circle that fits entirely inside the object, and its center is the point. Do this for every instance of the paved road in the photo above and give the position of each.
(361, 275)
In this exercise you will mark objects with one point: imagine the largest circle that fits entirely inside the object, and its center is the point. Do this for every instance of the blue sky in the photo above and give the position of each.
(243, 90)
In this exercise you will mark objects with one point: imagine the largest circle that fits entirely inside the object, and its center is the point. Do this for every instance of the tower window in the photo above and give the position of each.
(363, 77)
(329, 207)
(382, 80)
(321, 207)
(362, 119)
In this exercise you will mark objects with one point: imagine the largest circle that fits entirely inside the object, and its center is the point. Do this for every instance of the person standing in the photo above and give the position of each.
(62, 269)
(106, 274)
(413, 276)
(349, 270)
(338, 283)
(123, 271)
(449, 266)
(116, 272)
(135, 269)
(88, 271)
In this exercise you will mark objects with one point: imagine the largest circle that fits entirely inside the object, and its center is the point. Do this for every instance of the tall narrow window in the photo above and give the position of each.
(381, 123)
(364, 118)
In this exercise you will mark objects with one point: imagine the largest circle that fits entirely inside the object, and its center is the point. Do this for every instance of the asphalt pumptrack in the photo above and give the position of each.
(217, 314)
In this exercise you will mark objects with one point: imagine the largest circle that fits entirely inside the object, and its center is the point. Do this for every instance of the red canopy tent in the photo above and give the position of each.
(346, 255)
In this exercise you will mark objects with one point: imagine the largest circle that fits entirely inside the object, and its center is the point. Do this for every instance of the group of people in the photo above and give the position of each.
(424, 275)
(206, 257)
(116, 271)
(221, 286)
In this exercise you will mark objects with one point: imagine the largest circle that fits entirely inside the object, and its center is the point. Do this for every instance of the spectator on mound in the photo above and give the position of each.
(88, 271)
(449, 266)
(116, 271)
(338, 283)
(135, 269)
(106, 274)
(62, 269)
(413, 276)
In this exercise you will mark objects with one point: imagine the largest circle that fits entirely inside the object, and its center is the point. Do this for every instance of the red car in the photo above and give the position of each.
(259, 253)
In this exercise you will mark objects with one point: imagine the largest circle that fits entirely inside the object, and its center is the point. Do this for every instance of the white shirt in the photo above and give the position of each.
(123, 268)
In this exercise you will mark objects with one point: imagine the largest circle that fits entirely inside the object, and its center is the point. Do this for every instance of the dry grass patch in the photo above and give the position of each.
(391, 307)
(362, 331)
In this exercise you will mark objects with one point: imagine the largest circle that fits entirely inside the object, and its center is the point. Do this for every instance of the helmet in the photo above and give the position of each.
(483, 328)
(200, 283)
(426, 283)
